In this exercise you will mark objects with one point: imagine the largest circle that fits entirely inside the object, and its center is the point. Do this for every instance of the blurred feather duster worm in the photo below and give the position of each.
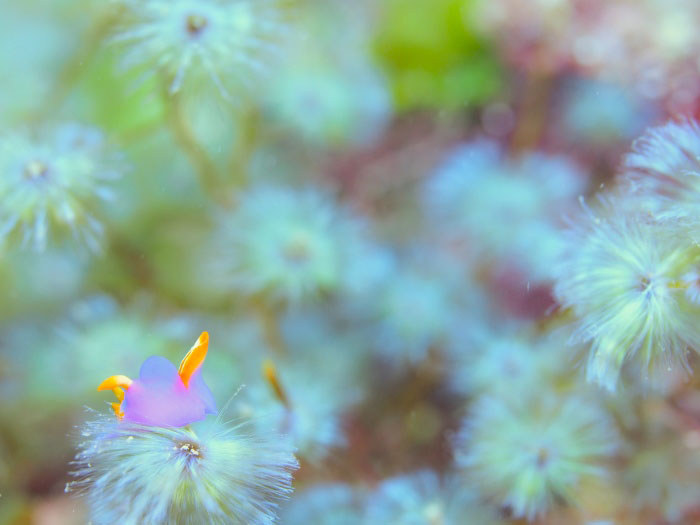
(503, 209)
(292, 244)
(632, 282)
(54, 177)
(316, 102)
(520, 360)
(422, 498)
(664, 168)
(600, 112)
(230, 42)
(527, 453)
(327, 91)
(137, 474)
(406, 297)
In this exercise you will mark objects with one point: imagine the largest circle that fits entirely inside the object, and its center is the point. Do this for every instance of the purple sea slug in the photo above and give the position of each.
(164, 396)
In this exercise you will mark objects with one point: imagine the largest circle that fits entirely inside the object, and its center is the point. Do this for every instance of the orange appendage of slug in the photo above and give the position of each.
(194, 358)
(117, 384)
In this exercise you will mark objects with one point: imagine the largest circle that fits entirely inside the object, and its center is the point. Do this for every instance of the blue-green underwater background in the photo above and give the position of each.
(413, 229)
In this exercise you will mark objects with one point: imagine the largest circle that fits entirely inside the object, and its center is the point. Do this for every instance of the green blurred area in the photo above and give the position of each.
(434, 57)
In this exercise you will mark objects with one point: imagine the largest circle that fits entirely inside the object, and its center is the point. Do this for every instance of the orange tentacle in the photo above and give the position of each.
(194, 358)
(115, 382)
